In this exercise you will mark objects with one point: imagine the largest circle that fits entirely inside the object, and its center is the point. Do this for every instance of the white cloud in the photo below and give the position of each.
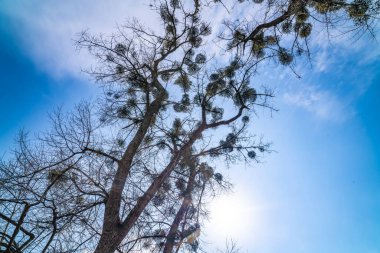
(322, 61)
(322, 103)
(46, 30)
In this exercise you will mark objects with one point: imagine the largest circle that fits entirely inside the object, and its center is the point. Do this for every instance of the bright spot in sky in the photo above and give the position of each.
(231, 217)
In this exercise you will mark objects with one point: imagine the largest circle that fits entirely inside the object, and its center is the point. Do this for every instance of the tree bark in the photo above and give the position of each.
(114, 231)
(169, 245)
(111, 221)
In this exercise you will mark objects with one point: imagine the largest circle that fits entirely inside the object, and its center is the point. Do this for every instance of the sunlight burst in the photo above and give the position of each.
(231, 216)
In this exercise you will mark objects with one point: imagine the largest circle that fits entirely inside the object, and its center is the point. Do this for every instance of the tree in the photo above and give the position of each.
(134, 170)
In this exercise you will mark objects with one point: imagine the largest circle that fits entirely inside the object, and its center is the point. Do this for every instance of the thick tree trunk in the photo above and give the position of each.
(114, 235)
(169, 245)
(111, 213)
(109, 242)
(114, 231)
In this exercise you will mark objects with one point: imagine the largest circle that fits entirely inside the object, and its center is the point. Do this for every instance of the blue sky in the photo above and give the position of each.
(320, 190)
(27, 92)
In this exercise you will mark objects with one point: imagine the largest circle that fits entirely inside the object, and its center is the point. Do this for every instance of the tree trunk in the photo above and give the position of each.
(111, 220)
(114, 230)
(169, 245)
(109, 242)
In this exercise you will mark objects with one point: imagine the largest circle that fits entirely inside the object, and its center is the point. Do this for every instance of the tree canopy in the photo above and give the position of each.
(135, 170)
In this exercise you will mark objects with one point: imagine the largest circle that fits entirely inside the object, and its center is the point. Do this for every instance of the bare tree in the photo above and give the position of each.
(133, 171)
(230, 247)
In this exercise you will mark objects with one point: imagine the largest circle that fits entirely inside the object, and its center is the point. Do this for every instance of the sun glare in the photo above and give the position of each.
(231, 216)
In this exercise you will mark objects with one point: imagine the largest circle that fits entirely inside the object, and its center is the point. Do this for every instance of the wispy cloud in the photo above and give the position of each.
(321, 103)
(46, 30)
(48, 36)
(333, 84)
